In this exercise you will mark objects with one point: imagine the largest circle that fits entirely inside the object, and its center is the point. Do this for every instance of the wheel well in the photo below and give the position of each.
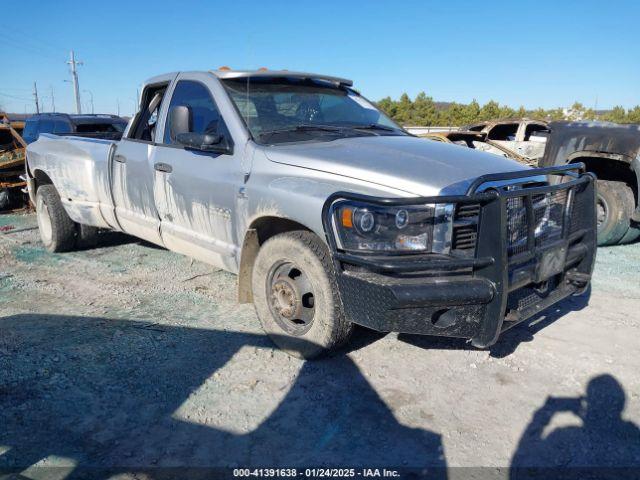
(260, 230)
(41, 178)
(609, 169)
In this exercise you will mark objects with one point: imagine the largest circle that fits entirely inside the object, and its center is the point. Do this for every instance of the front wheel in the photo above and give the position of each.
(296, 295)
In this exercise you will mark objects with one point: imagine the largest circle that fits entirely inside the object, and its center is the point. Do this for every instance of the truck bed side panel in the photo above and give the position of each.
(79, 169)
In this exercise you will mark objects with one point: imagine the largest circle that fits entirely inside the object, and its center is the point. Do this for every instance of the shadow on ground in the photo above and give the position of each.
(603, 446)
(509, 340)
(103, 393)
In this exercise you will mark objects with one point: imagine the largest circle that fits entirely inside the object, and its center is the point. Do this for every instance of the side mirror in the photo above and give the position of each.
(203, 142)
(180, 121)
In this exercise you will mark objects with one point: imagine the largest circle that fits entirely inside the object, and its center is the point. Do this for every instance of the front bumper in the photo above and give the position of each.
(510, 275)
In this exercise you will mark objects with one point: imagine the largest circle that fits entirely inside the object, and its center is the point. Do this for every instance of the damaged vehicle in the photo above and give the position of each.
(109, 127)
(609, 150)
(477, 141)
(525, 138)
(330, 214)
(612, 152)
(12, 154)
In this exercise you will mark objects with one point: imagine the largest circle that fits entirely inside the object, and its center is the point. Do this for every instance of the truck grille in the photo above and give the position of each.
(465, 228)
(548, 212)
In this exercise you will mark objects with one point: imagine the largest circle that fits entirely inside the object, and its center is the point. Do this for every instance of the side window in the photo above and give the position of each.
(205, 117)
(30, 131)
(144, 126)
(60, 126)
(45, 126)
(504, 132)
(536, 130)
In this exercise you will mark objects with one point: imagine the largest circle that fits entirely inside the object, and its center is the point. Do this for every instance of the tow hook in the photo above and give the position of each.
(577, 279)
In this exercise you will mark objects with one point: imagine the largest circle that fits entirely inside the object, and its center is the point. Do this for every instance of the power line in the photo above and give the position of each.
(15, 97)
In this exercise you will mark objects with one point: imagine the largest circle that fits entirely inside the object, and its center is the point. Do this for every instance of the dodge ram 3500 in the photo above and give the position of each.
(330, 214)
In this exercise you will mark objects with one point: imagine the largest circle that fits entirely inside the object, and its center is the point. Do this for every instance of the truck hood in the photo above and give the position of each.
(414, 165)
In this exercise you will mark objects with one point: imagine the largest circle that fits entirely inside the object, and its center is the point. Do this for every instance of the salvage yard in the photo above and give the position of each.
(128, 356)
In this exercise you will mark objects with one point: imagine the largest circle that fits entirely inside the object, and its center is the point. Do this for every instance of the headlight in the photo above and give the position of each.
(370, 228)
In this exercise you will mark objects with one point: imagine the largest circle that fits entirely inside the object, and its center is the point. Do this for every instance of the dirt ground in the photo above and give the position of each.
(130, 356)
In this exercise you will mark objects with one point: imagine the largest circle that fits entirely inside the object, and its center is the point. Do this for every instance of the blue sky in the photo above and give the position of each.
(539, 53)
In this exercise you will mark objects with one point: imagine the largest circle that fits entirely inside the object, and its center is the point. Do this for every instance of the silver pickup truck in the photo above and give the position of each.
(330, 214)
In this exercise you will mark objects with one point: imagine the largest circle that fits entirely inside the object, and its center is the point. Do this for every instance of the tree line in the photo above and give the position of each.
(424, 111)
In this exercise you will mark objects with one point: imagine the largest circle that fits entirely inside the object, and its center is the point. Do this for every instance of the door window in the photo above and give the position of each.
(205, 116)
(504, 132)
(536, 130)
(144, 127)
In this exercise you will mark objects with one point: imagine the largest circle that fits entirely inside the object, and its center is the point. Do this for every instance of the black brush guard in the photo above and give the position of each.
(482, 294)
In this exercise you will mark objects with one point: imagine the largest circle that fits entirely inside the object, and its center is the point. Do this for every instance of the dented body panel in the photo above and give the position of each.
(609, 148)
(571, 139)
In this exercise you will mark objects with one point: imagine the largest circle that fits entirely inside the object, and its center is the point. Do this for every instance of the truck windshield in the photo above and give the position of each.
(279, 110)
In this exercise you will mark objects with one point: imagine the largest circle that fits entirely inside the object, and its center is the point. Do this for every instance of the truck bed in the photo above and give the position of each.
(79, 168)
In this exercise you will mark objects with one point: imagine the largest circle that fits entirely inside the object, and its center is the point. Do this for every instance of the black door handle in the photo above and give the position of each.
(120, 158)
(163, 167)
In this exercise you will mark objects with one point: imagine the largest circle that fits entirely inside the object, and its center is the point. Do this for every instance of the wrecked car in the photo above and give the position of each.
(12, 154)
(330, 214)
(477, 141)
(524, 137)
(612, 153)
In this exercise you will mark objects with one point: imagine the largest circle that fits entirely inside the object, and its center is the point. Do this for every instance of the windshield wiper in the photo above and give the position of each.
(375, 126)
(304, 128)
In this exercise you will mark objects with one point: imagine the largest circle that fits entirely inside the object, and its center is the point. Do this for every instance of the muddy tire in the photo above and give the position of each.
(295, 294)
(614, 210)
(57, 231)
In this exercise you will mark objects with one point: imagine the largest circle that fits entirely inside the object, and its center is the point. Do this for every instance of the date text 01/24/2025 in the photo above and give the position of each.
(315, 472)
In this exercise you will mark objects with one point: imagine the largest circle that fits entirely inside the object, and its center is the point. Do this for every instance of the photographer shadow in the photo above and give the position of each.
(604, 440)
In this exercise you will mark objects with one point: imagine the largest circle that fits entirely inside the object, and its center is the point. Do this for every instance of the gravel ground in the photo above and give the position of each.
(130, 356)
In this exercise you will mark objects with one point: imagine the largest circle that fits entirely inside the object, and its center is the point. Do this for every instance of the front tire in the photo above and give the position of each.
(57, 231)
(296, 295)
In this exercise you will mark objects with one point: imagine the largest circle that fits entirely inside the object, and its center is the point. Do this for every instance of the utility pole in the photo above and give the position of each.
(118, 105)
(74, 75)
(35, 95)
(53, 100)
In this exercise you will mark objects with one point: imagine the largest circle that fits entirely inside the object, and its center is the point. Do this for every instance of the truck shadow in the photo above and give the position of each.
(509, 340)
(105, 395)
